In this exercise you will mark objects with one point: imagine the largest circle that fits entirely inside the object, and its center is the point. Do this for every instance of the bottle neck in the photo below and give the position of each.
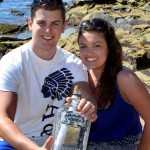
(75, 100)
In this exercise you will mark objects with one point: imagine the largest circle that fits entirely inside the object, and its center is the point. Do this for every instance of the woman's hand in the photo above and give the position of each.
(86, 108)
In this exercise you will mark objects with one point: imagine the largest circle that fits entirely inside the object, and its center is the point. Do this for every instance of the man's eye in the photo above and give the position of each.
(55, 24)
(40, 23)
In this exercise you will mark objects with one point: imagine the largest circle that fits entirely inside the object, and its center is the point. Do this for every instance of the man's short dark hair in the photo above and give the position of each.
(48, 5)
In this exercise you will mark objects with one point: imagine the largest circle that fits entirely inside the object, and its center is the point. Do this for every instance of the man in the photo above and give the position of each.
(35, 80)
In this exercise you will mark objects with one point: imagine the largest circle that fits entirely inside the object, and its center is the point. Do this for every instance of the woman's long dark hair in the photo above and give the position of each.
(113, 63)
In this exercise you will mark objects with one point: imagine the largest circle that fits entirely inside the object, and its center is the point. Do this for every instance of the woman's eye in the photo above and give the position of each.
(82, 47)
(96, 46)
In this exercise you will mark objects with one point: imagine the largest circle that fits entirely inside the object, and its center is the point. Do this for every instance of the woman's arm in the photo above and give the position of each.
(87, 105)
(134, 91)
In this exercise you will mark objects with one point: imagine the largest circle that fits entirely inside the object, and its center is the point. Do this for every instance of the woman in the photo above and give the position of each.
(121, 96)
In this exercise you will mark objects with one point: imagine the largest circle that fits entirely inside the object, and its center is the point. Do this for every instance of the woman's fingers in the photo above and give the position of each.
(87, 109)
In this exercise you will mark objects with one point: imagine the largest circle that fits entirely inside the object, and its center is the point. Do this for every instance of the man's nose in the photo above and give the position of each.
(49, 29)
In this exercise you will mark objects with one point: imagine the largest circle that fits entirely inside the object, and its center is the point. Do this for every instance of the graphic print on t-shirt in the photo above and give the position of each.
(58, 84)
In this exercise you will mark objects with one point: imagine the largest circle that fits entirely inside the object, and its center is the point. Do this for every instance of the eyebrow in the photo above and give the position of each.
(82, 43)
(56, 21)
(97, 42)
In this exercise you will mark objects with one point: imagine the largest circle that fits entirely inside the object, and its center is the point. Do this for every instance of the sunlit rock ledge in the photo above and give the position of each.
(131, 19)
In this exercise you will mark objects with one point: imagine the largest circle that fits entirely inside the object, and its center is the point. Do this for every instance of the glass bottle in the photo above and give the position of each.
(71, 130)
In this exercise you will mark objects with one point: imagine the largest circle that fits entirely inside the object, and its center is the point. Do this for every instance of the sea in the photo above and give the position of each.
(6, 6)
(23, 6)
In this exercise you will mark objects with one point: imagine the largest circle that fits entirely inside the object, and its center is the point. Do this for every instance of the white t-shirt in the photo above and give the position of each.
(41, 85)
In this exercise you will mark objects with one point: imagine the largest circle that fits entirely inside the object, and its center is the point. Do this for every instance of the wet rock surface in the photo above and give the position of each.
(131, 19)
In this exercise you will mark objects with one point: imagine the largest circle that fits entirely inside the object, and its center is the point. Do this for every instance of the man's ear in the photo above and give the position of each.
(30, 24)
(64, 26)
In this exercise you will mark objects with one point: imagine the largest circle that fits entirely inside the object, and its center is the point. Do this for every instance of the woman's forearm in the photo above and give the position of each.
(145, 139)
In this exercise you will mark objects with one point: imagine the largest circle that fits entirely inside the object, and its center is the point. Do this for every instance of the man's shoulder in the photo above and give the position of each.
(67, 55)
(16, 54)
(22, 48)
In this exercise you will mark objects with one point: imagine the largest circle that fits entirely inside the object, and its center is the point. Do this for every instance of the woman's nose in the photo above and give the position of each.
(89, 51)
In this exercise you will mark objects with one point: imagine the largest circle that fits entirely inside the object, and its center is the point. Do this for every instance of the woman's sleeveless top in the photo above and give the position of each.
(119, 121)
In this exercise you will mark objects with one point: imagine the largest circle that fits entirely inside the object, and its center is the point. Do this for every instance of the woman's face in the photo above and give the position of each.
(93, 49)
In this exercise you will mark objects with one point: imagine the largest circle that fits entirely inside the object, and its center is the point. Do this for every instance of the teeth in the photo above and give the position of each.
(91, 59)
(47, 37)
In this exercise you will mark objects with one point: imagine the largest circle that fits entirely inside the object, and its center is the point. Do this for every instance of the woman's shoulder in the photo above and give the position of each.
(128, 82)
(125, 74)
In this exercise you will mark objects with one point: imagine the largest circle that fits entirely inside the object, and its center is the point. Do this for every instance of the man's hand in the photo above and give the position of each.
(48, 144)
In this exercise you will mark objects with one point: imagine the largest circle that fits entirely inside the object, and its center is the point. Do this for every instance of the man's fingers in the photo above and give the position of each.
(49, 143)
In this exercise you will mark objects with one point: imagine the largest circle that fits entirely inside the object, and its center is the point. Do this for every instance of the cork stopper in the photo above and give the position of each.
(77, 90)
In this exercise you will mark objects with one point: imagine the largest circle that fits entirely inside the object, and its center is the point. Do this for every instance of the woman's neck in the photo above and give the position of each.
(95, 74)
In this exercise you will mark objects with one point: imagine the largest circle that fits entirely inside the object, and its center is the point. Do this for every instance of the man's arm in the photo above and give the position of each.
(9, 131)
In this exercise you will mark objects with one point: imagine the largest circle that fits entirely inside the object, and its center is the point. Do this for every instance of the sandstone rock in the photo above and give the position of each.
(129, 17)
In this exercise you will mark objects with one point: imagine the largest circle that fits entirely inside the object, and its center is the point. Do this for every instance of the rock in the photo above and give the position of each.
(17, 12)
(4, 28)
(10, 29)
(129, 17)
(143, 62)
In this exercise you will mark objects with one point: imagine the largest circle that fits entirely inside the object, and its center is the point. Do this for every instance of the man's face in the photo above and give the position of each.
(46, 28)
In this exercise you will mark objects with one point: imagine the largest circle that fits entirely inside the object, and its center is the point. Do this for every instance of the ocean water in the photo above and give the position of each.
(6, 17)
(18, 5)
